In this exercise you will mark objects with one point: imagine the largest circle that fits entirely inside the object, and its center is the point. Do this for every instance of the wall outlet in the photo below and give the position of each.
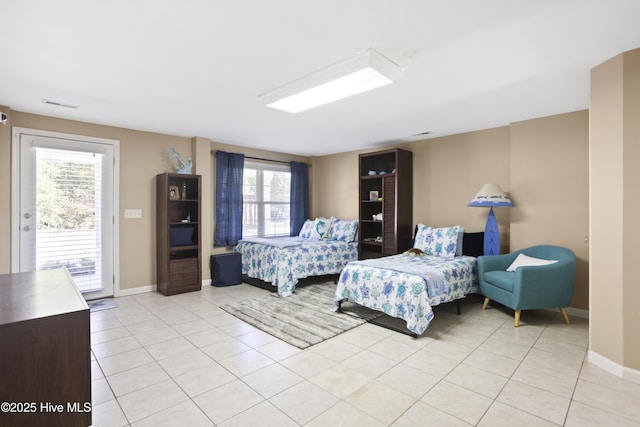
(133, 213)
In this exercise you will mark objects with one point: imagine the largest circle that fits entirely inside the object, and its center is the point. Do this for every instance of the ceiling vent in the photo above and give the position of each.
(59, 104)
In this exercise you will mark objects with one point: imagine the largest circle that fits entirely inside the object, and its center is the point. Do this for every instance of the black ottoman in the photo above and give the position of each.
(226, 269)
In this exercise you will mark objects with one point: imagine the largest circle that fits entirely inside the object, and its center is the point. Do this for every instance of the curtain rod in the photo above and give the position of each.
(267, 160)
(264, 160)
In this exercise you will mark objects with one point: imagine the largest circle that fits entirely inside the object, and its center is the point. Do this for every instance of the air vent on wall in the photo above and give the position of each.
(59, 104)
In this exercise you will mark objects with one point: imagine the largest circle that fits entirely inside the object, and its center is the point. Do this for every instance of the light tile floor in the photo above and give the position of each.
(182, 361)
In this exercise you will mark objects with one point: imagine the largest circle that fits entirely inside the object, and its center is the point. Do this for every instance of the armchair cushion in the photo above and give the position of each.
(502, 279)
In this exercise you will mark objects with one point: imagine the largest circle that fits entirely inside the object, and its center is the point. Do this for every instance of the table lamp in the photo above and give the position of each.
(491, 195)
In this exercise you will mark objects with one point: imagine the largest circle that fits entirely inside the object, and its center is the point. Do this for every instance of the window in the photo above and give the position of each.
(266, 190)
(69, 214)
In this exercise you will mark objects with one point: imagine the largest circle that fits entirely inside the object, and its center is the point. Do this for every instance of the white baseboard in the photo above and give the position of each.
(135, 291)
(614, 368)
(632, 375)
(577, 312)
(147, 288)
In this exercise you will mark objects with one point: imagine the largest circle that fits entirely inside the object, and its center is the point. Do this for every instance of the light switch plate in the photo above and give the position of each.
(133, 213)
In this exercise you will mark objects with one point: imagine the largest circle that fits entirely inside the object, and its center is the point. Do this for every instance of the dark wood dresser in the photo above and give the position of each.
(45, 351)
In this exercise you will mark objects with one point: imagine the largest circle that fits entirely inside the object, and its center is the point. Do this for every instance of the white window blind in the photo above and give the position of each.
(266, 192)
(69, 212)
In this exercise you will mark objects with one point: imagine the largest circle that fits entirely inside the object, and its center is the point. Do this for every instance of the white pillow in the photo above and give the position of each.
(523, 260)
(320, 229)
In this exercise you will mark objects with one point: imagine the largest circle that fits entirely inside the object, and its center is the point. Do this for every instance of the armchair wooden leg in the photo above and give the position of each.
(564, 315)
(485, 303)
(516, 321)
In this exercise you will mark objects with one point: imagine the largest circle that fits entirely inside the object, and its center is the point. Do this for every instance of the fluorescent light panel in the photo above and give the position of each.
(367, 70)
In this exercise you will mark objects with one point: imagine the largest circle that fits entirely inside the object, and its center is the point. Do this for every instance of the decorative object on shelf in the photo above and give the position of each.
(491, 195)
(183, 167)
(372, 172)
(174, 192)
(184, 190)
(382, 173)
(377, 217)
(373, 196)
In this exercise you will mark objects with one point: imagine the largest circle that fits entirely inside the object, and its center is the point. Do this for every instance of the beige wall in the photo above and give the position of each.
(527, 159)
(143, 155)
(631, 316)
(452, 183)
(449, 171)
(335, 184)
(550, 188)
(335, 188)
(614, 209)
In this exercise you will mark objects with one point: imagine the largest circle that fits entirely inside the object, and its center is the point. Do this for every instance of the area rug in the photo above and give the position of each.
(303, 319)
(102, 304)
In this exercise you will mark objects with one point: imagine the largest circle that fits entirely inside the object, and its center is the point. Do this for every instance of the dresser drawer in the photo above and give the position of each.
(183, 272)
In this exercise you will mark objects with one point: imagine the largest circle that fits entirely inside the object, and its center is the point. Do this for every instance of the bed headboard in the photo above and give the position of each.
(473, 244)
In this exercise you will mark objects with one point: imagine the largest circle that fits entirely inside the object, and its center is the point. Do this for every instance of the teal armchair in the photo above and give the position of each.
(530, 287)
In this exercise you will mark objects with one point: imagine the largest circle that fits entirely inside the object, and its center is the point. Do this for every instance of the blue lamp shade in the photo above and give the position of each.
(491, 195)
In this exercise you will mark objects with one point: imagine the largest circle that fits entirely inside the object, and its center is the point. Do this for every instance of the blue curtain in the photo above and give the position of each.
(229, 171)
(299, 199)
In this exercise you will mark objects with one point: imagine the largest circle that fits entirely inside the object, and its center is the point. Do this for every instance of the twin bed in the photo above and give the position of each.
(324, 246)
(406, 286)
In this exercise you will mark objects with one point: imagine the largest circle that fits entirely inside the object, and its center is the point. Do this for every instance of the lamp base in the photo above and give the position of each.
(491, 235)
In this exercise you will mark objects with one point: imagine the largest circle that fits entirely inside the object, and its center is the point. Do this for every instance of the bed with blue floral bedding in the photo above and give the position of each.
(407, 286)
(323, 247)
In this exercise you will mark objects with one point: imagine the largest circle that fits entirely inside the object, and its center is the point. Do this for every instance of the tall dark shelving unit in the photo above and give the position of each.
(179, 251)
(394, 187)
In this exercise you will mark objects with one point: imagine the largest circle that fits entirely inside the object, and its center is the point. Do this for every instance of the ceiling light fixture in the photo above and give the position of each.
(365, 71)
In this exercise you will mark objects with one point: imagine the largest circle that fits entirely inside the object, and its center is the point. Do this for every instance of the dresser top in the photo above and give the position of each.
(38, 294)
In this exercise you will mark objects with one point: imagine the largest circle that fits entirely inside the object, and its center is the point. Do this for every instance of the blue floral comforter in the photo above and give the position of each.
(286, 260)
(406, 287)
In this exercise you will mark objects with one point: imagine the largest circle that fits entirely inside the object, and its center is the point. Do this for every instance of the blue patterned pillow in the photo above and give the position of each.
(344, 230)
(320, 229)
(307, 227)
(439, 242)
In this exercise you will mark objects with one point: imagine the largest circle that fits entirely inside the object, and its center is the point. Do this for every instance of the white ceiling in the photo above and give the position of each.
(196, 67)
